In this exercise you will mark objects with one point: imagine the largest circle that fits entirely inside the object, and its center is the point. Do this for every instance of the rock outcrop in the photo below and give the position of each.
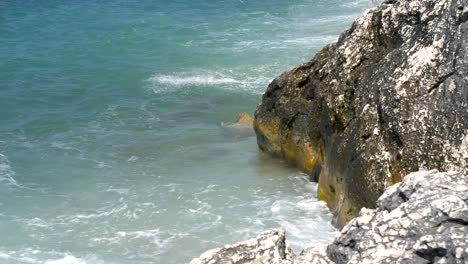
(424, 219)
(389, 98)
(269, 247)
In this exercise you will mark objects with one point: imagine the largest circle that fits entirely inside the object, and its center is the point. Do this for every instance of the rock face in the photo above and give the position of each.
(389, 98)
(269, 247)
(424, 219)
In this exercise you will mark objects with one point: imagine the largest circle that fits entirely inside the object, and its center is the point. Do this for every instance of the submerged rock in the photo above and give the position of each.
(242, 127)
(389, 98)
(245, 119)
(269, 247)
(424, 219)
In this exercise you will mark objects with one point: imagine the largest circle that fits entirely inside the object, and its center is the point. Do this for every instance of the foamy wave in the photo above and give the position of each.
(330, 19)
(311, 224)
(37, 256)
(169, 83)
(361, 3)
(6, 172)
(315, 40)
(193, 80)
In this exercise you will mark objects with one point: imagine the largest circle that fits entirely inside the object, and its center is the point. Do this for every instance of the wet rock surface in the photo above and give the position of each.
(423, 219)
(389, 98)
(242, 127)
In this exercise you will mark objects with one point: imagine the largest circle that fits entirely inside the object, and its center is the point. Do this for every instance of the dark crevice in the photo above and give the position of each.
(292, 121)
(348, 123)
(463, 17)
(366, 136)
(440, 81)
(403, 196)
(457, 221)
(430, 254)
(351, 243)
(303, 82)
(314, 176)
(395, 139)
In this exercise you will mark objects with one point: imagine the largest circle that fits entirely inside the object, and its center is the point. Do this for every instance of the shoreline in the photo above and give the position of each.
(373, 118)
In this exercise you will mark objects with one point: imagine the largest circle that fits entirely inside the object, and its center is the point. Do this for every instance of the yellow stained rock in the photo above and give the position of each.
(245, 119)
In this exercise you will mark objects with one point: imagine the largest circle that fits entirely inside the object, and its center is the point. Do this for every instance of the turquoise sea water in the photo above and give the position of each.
(113, 145)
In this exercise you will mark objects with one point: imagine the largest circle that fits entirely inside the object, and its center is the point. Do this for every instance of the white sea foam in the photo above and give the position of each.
(163, 83)
(324, 20)
(193, 80)
(36, 256)
(314, 40)
(361, 3)
(21, 259)
(37, 222)
(305, 42)
(311, 222)
(151, 233)
(6, 172)
(68, 259)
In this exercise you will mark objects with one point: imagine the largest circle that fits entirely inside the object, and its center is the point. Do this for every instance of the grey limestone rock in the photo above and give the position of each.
(313, 255)
(268, 247)
(424, 219)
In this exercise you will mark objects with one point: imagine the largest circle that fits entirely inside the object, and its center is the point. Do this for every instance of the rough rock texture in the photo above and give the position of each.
(389, 98)
(269, 247)
(424, 219)
(313, 255)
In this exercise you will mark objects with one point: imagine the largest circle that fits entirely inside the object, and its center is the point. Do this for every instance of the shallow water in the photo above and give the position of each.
(113, 146)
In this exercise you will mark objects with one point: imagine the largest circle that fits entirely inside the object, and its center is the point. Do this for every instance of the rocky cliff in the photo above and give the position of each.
(424, 219)
(389, 98)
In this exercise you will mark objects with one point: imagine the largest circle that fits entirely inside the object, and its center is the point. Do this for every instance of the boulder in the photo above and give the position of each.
(245, 119)
(242, 127)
